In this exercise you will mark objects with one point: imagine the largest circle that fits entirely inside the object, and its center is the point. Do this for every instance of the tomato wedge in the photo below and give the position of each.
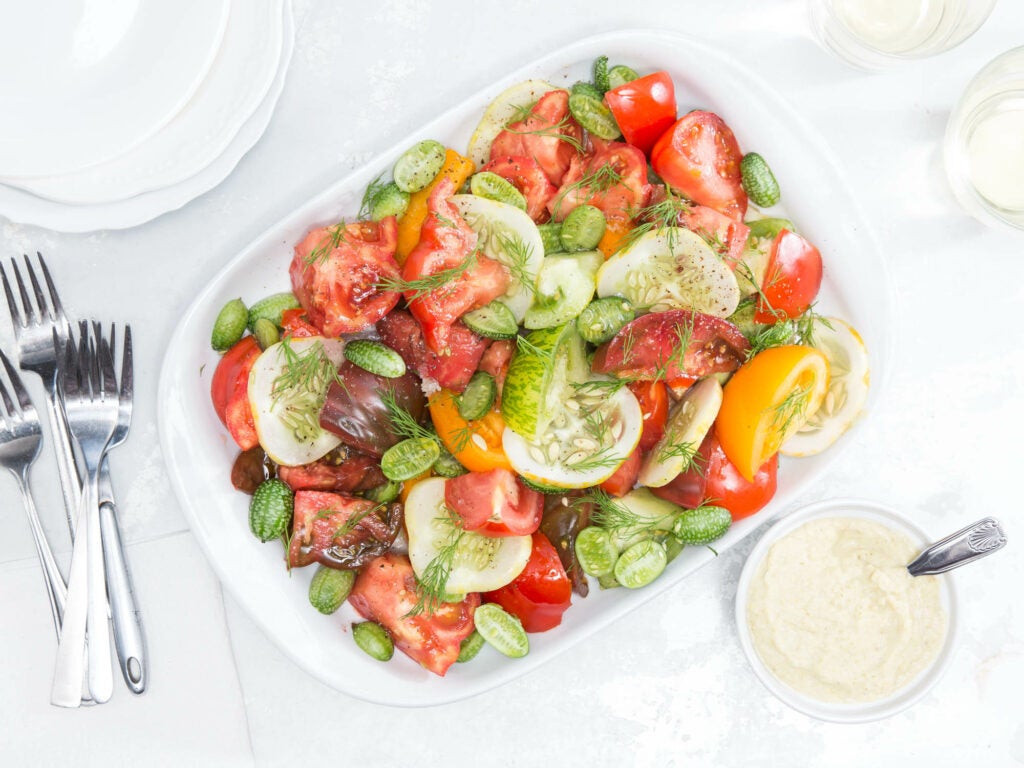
(644, 108)
(792, 279)
(229, 391)
(385, 591)
(699, 156)
(548, 135)
(622, 482)
(494, 503)
(725, 235)
(295, 324)
(653, 399)
(613, 177)
(476, 444)
(446, 244)
(524, 174)
(541, 593)
(452, 370)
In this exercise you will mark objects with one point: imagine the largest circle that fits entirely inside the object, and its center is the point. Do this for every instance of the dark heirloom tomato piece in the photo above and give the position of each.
(446, 243)
(355, 412)
(451, 370)
(549, 135)
(251, 468)
(336, 270)
(229, 391)
(343, 470)
(699, 156)
(340, 531)
(613, 177)
(564, 517)
(494, 503)
(644, 108)
(792, 279)
(385, 591)
(524, 174)
(725, 235)
(650, 344)
(541, 593)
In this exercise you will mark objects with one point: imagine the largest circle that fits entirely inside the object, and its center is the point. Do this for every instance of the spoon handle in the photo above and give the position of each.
(971, 543)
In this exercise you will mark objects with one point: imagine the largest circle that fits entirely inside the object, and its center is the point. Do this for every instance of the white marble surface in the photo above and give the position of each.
(668, 685)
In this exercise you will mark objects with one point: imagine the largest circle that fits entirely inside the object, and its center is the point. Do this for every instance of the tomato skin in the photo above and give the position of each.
(495, 362)
(400, 331)
(725, 235)
(622, 482)
(357, 472)
(653, 399)
(538, 136)
(792, 278)
(494, 503)
(446, 241)
(620, 200)
(524, 174)
(644, 108)
(727, 487)
(385, 591)
(295, 325)
(645, 344)
(688, 489)
(317, 526)
(337, 285)
(450, 426)
(699, 156)
(541, 593)
(229, 391)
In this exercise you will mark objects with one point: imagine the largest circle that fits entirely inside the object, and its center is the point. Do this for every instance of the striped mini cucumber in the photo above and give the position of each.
(330, 588)
(375, 357)
(758, 181)
(270, 510)
(229, 326)
(272, 307)
(697, 527)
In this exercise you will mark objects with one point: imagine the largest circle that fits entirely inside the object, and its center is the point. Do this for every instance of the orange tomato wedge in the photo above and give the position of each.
(458, 169)
(615, 233)
(768, 399)
(476, 444)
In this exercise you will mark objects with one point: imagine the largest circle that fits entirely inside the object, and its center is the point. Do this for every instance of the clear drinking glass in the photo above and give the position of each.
(984, 145)
(873, 34)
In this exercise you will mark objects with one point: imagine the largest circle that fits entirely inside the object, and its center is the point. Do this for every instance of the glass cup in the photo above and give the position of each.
(984, 145)
(873, 34)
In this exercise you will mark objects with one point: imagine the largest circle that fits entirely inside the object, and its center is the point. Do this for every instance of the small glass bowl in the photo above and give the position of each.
(861, 712)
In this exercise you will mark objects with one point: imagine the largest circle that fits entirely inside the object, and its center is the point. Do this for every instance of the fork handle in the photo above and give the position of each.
(124, 611)
(67, 467)
(55, 588)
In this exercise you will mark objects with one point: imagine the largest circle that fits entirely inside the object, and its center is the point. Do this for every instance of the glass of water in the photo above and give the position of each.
(984, 145)
(874, 34)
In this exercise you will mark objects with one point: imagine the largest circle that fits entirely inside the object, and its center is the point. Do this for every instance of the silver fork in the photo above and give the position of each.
(124, 612)
(91, 405)
(20, 440)
(34, 330)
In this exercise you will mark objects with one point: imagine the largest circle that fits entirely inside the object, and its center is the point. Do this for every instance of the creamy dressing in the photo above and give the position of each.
(995, 156)
(834, 614)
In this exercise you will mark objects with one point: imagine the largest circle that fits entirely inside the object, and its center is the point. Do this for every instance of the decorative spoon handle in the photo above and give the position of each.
(967, 545)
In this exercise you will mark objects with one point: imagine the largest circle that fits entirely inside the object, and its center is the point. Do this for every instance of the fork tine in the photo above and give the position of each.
(10, 412)
(106, 362)
(70, 374)
(30, 311)
(96, 351)
(16, 319)
(44, 307)
(19, 388)
(127, 375)
(56, 309)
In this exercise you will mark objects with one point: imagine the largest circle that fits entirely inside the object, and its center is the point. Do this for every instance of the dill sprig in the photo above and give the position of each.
(553, 131)
(372, 190)
(767, 336)
(603, 387)
(350, 525)
(421, 286)
(433, 585)
(597, 181)
(336, 234)
(619, 520)
(793, 407)
(301, 387)
(519, 254)
(402, 422)
(805, 325)
(663, 214)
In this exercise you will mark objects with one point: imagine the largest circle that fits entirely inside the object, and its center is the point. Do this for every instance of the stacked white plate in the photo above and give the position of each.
(117, 111)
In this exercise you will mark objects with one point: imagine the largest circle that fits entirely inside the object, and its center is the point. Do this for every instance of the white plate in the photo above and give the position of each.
(21, 207)
(846, 713)
(199, 451)
(86, 81)
(236, 84)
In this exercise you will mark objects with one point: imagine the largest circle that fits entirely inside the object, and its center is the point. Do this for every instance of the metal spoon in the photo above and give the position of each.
(965, 546)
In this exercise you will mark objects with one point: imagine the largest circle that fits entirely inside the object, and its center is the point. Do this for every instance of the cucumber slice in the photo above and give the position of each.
(409, 458)
(447, 465)
(603, 318)
(641, 564)
(565, 287)
(493, 321)
(478, 397)
(551, 236)
(649, 511)
(581, 86)
(479, 563)
(418, 165)
(470, 647)
(229, 326)
(671, 268)
(502, 630)
(582, 229)
(375, 357)
(596, 551)
(494, 187)
(620, 74)
(508, 235)
(689, 423)
(388, 201)
(758, 181)
(594, 115)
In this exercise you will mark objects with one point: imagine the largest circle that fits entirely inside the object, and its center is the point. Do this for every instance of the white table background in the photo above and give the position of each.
(668, 685)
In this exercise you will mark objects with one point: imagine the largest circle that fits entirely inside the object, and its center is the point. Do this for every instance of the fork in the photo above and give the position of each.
(34, 331)
(20, 439)
(124, 612)
(91, 405)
